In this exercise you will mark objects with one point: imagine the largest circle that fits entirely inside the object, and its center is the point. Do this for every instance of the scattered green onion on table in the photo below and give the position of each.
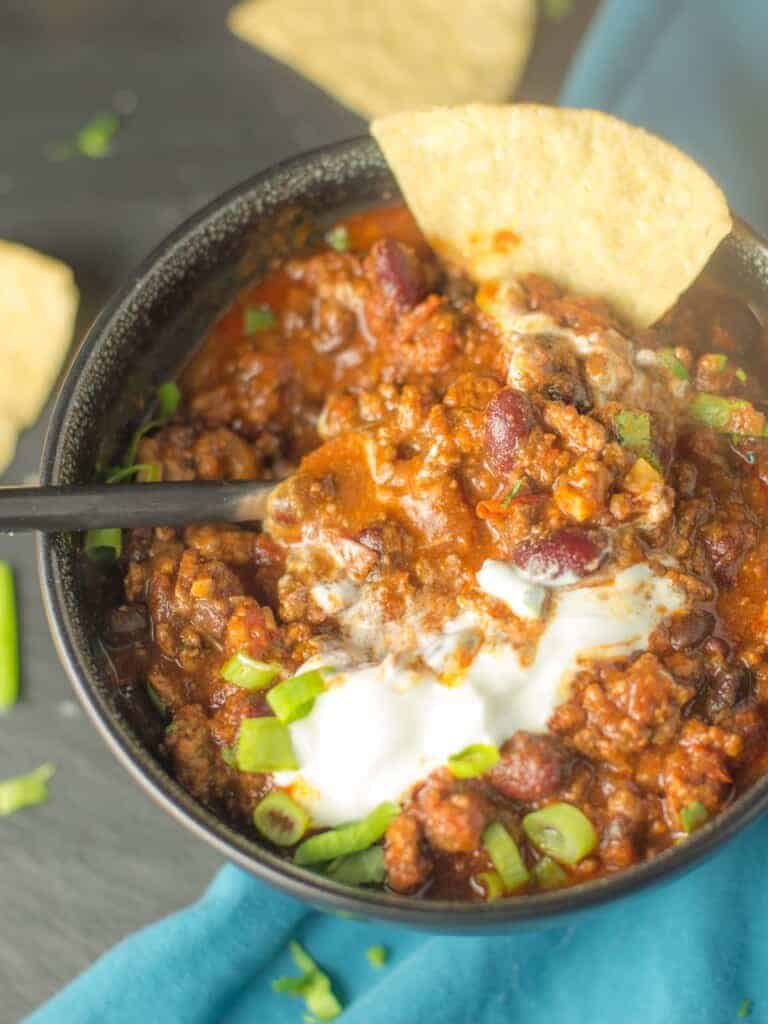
(313, 986)
(9, 639)
(25, 790)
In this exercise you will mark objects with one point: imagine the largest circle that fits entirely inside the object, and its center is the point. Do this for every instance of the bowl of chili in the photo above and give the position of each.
(232, 257)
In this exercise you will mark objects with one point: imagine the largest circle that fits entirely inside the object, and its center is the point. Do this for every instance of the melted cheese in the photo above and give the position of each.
(380, 728)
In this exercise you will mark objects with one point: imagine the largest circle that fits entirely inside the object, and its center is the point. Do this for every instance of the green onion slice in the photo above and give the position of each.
(25, 790)
(549, 874)
(165, 404)
(741, 375)
(279, 819)
(338, 238)
(264, 745)
(670, 362)
(562, 831)
(338, 842)
(314, 986)
(505, 856)
(258, 318)
(474, 760)
(727, 415)
(745, 1008)
(363, 868)
(242, 670)
(95, 138)
(492, 885)
(376, 955)
(693, 816)
(156, 699)
(634, 430)
(104, 544)
(513, 492)
(294, 698)
(9, 639)
(149, 470)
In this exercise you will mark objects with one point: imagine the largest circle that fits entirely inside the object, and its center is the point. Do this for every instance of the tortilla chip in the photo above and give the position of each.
(599, 206)
(38, 305)
(378, 56)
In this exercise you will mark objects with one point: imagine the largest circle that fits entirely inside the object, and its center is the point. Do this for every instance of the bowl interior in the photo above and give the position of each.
(145, 334)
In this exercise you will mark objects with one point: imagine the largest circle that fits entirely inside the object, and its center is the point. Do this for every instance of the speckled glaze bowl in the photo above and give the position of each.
(144, 335)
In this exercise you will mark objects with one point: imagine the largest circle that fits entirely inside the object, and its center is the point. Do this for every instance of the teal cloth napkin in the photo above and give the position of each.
(693, 950)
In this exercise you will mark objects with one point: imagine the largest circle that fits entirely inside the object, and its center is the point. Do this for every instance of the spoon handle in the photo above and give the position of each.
(83, 507)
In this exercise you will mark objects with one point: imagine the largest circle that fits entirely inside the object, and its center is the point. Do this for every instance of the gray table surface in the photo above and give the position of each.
(99, 860)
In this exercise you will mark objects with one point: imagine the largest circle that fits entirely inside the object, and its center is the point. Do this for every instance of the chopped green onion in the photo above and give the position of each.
(95, 138)
(264, 745)
(281, 820)
(168, 398)
(166, 402)
(338, 238)
(670, 362)
(492, 885)
(338, 842)
(151, 470)
(728, 415)
(693, 816)
(104, 544)
(717, 361)
(363, 868)
(9, 639)
(745, 1008)
(258, 318)
(242, 670)
(474, 760)
(376, 955)
(512, 493)
(314, 986)
(505, 855)
(549, 874)
(634, 430)
(741, 375)
(25, 790)
(156, 699)
(294, 698)
(562, 831)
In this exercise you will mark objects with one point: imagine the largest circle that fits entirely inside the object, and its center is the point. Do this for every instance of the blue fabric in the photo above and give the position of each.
(695, 72)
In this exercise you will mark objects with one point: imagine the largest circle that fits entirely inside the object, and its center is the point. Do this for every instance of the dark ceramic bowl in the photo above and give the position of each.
(143, 336)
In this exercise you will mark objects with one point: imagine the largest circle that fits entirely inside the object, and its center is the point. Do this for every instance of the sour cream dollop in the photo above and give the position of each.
(380, 728)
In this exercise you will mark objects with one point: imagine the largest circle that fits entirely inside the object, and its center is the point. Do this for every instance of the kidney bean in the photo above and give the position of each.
(531, 767)
(727, 688)
(395, 270)
(691, 629)
(509, 418)
(557, 559)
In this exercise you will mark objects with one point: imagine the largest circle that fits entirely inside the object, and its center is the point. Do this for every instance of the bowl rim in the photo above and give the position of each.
(152, 777)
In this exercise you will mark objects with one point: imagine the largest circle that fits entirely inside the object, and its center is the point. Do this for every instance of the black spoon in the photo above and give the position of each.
(90, 506)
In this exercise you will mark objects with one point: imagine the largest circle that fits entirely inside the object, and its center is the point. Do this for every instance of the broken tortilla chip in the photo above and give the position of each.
(380, 56)
(601, 207)
(38, 305)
